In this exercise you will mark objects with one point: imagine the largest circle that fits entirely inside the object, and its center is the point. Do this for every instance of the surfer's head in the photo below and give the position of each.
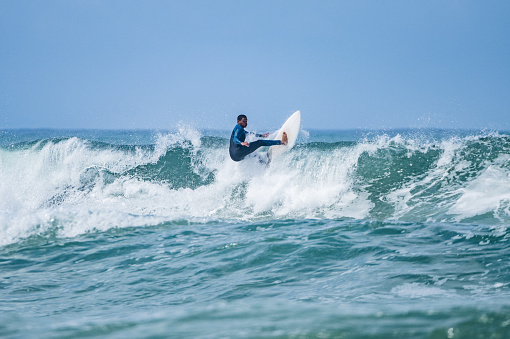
(242, 120)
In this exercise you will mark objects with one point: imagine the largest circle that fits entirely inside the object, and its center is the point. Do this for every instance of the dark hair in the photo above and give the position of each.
(241, 116)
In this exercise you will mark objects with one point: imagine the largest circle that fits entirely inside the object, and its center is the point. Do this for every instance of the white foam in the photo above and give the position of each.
(489, 192)
(43, 183)
(313, 186)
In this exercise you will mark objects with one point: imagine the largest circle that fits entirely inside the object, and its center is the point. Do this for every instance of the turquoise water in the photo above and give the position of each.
(147, 234)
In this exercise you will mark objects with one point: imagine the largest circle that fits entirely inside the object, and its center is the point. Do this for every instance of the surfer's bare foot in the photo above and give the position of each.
(284, 139)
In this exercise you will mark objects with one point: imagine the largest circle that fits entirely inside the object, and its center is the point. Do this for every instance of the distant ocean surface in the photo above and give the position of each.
(158, 234)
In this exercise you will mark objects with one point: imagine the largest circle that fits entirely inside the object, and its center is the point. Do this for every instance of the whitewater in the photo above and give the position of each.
(400, 233)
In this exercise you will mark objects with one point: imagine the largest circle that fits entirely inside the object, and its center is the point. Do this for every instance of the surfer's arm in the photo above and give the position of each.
(237, 137)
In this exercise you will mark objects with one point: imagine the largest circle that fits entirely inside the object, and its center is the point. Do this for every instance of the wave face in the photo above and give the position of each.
(71, 185)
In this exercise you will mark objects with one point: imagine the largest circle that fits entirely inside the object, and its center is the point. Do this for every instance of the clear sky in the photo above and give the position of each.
(125, 64)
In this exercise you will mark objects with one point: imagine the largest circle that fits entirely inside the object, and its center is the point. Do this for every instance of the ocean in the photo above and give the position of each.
(158, 234)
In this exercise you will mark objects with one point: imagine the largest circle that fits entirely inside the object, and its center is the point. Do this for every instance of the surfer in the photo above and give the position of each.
(239, 148)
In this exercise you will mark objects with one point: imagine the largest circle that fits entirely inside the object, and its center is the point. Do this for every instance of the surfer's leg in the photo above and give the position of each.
(256, 145)
(243, 151)
(267, 142)
(240, 152)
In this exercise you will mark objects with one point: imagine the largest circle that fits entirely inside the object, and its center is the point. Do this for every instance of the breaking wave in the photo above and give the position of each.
(72, 185)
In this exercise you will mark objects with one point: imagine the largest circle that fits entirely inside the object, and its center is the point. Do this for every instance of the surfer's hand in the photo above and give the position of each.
(265, 135)
(244, 143)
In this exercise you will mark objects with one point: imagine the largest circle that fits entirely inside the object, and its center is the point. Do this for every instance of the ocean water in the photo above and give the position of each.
(158, 234)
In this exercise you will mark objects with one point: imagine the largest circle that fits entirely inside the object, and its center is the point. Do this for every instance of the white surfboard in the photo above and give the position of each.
(291, 127)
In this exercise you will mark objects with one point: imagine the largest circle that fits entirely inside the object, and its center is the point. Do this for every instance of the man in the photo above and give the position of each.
(239, 148)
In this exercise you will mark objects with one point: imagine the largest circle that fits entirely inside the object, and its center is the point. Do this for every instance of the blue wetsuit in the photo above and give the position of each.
(238, 151)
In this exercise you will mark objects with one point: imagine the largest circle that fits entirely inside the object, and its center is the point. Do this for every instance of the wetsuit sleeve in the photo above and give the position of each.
(237, 136)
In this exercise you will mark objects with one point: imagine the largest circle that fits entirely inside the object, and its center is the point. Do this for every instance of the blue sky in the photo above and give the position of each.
(345, 64)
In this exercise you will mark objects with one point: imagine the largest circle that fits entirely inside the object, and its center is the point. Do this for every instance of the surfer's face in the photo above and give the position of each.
(243, 122)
